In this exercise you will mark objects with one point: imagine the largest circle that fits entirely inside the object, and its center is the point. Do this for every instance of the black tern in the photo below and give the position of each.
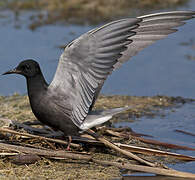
(66, 103)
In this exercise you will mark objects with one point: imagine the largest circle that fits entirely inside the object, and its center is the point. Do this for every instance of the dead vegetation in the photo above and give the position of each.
(84, 11)
(36, 156)
(17, 107)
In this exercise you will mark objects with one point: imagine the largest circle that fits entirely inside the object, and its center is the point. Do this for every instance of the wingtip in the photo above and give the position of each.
(189, 13)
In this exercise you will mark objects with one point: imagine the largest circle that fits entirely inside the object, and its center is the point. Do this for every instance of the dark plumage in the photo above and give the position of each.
(66, 104)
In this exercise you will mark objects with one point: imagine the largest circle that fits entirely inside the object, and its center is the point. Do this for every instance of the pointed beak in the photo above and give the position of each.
(13, 71)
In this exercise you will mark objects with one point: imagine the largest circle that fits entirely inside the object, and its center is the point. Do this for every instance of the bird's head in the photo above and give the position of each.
(28, 68)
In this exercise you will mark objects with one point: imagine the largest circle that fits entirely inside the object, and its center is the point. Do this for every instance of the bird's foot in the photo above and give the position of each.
(69, 143)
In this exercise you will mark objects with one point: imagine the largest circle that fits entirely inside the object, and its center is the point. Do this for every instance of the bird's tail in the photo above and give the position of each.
(98, 117)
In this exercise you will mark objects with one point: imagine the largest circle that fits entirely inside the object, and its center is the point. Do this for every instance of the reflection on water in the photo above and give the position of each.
(84, 12)
(190, 44)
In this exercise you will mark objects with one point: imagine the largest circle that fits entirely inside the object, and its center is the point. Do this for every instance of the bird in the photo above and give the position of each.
(67, 103)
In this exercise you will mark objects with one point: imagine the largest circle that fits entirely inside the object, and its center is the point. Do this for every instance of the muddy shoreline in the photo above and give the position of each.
(17, 107)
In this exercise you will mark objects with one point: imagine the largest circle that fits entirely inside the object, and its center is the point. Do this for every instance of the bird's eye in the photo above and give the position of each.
(27, 67)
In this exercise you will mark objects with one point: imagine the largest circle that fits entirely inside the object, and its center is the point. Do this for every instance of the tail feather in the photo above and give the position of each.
(99, 117)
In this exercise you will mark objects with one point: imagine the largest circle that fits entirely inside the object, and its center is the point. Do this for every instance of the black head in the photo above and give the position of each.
(28, 68)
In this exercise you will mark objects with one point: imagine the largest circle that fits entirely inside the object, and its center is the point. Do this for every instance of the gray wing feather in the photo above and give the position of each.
(153, 27)
(87, 61)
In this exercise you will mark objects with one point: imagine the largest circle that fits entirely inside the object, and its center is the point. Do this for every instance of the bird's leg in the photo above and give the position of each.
(69, 142)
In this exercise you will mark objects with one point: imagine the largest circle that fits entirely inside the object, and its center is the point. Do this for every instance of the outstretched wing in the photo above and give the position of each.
(154, 27)
(87, 61)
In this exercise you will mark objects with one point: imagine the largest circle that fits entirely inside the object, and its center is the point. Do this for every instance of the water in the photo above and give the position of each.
(159, 69)
(163, 128)
(41, 45)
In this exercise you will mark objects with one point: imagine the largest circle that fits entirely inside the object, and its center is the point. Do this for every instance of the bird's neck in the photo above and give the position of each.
(36, 85)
